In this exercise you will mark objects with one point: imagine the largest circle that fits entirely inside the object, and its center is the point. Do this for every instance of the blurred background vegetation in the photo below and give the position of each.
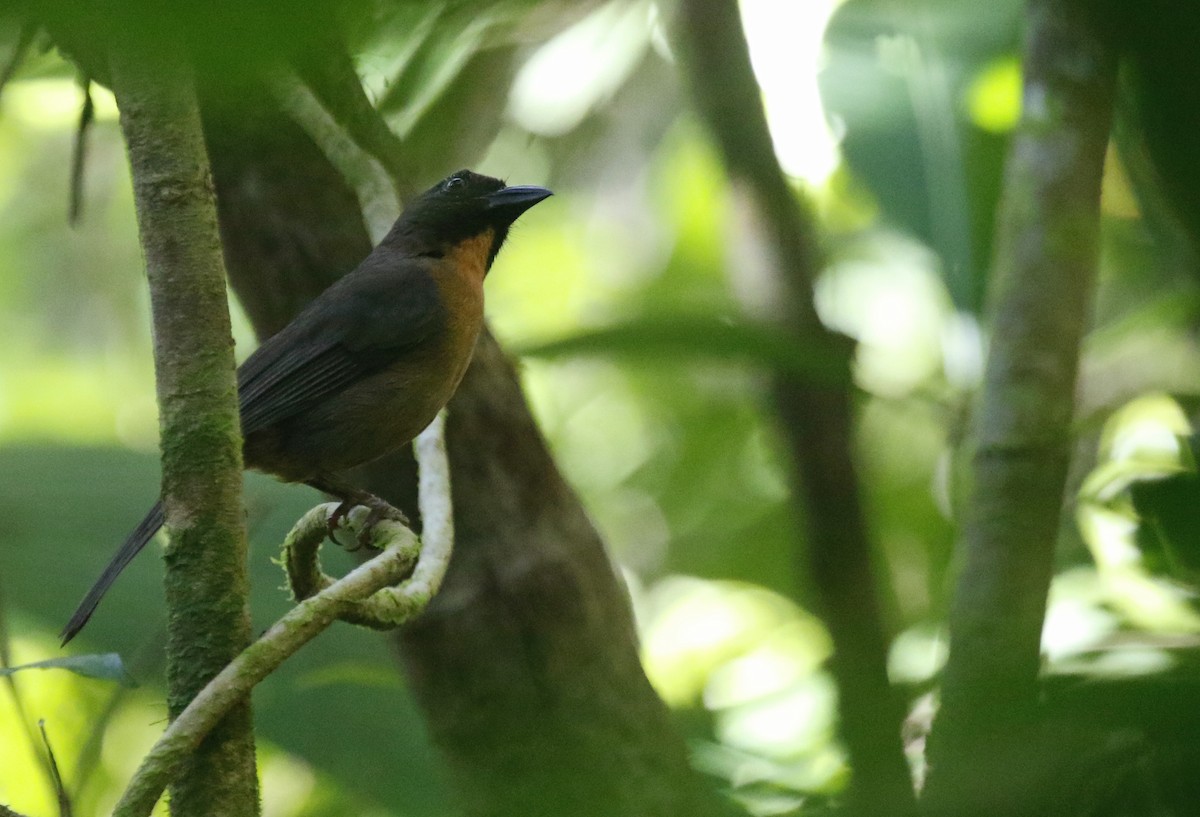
(894, 120)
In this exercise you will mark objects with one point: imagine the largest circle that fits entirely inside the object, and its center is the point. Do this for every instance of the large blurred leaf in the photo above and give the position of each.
(441, 71)
(675, 339)
(896, 77)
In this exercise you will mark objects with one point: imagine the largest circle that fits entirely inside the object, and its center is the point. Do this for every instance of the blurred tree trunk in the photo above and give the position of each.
(817, 420)
(526, 665)
(1046, 257)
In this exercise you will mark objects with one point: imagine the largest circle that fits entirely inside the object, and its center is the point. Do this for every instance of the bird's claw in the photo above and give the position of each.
(377, 510)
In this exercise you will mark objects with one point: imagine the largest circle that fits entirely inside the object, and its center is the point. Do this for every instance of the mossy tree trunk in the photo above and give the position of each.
(206, 583)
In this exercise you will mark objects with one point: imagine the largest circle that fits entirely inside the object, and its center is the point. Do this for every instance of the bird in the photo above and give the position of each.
(369, 363)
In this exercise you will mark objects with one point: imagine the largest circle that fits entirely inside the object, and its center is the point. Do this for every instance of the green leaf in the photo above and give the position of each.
(105, 666)
(1169, 534)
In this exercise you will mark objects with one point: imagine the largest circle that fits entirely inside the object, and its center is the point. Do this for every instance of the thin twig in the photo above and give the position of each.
(87, 114)
(60, 791)
(335, 83)
(377, 190)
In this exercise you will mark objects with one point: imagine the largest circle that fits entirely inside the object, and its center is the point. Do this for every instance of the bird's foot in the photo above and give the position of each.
(377, 510)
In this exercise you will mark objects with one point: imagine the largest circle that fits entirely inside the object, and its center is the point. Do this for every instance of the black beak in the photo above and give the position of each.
(509, 203)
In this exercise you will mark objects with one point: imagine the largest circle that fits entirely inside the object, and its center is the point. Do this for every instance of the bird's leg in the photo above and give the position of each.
(352, 497)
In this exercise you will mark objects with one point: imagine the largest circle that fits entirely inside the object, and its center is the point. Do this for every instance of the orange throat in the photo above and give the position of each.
(470, 258)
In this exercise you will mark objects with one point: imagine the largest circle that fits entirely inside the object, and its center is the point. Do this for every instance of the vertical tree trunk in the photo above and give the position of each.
(206, 584)
(1045, 269)
(817, 420)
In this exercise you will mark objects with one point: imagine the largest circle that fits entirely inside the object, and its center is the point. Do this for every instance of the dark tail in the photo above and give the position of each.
(133, 545)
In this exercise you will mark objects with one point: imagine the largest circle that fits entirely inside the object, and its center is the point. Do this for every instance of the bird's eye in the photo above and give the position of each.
(454, 183)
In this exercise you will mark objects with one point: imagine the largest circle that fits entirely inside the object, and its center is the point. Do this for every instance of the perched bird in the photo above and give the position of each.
(369, 363)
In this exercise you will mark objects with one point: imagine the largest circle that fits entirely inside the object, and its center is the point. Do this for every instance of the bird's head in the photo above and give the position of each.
(465, 206)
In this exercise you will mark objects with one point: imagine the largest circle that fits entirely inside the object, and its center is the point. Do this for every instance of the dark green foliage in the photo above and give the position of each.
(898, 80)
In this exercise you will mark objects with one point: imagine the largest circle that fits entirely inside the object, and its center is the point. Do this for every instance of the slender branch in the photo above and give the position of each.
(87, 114)
(60, 791)
(206, 584)
(334, 82)
(817, 417)
(365, 591)
(378, 192)
(1045, 269)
